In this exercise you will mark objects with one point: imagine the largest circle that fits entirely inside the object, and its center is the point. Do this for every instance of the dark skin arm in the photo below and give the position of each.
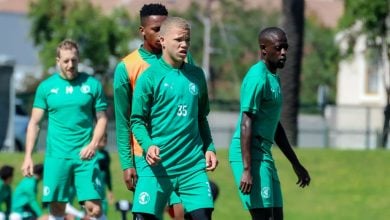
(282, 141)
(246, 134)
(130, 178)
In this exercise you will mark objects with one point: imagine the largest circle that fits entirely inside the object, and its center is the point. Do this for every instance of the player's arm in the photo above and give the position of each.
(284, 145)
(122, 108)
(250, 103)
(204, 127)
(210, 153)
(33, 203)
(100, 128)
(142, 103)
(246, 137)
(100, 106)
(33, 129)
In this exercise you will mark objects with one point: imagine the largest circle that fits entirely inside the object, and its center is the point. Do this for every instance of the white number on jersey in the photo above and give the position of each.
(182, 110)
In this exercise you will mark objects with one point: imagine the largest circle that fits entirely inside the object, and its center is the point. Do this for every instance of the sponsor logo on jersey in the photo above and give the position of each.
(54, 90)
(193, 89)
(69, 90)
(143, 198)
(266, 192)
(85, 89)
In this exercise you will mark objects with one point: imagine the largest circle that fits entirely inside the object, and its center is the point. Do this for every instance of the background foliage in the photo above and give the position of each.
(99, 36)
(104, 39)
(320, 62)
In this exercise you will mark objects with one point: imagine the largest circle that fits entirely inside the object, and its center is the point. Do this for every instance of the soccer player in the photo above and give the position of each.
(75, 106)
(6, 177)
(258, 127)
(169, 121)
(104, 161)
(24, 202)
(125, 76)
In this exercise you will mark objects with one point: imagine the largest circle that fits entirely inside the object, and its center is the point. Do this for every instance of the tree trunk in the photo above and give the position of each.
(385, 131)
(386, 80)
(293, 24)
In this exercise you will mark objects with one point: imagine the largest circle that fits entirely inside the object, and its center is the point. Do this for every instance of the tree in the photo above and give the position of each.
(293, 24)
(233, 42)
(320, 62)
(374, 18)
(99, 37)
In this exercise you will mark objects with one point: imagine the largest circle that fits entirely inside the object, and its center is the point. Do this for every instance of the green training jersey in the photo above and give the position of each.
(5, 197)
(70, 107)
(169, 110)
(25, 196)
(126, 74)
(261, 96)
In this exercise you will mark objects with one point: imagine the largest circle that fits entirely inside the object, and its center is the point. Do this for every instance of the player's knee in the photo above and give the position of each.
(204, 214)
(57, 208)
(144, 216)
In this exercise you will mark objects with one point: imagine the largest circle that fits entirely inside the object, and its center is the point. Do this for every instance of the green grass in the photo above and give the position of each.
(346, 184)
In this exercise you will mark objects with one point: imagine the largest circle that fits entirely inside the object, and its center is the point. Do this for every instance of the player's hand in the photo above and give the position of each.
(130, 178)
(87, 152)
(246, 182)
(303, 175)
(153, 155)
(211, 161)
(28, 166)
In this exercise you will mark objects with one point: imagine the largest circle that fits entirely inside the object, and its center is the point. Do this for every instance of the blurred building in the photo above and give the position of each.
(361, 94)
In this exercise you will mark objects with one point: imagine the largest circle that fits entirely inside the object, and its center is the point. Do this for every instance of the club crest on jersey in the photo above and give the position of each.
(143, 198)
(85, 89)
(266, 192)
(193, 89)
(46, 190)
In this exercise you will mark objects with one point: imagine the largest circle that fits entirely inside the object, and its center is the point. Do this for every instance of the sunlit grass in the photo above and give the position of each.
(346, 184)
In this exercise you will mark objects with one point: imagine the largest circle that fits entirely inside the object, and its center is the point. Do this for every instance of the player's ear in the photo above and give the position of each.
(141, 29)
(162, 41)
(263, 51)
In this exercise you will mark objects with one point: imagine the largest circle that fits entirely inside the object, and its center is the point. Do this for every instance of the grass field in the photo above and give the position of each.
(345, 185)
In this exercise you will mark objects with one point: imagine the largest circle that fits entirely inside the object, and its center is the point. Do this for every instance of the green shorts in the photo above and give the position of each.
(174, 199)
(60, 174)
(152, 193)
(266, 191)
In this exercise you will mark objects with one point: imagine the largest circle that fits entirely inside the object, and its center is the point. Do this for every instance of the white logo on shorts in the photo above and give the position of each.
(143, 198)
(265, 192)
(46, 190)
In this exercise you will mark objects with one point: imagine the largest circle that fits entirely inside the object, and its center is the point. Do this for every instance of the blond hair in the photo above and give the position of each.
(171, 22)
(67, 45)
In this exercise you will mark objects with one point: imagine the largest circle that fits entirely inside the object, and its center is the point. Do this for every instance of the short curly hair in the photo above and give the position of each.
(152, 9)
(6, 172)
